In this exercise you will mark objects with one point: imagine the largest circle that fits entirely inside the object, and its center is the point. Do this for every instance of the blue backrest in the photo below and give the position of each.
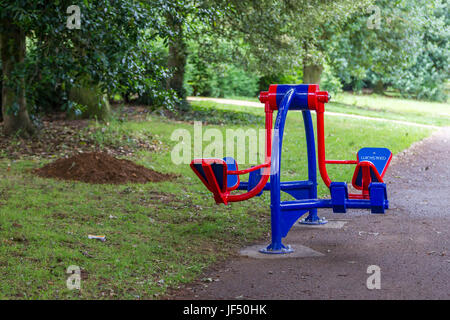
(219, 169)
(380, 157)
(232, 179)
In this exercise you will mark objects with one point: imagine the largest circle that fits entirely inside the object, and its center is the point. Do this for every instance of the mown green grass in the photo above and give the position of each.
(431, 113)
(158, 234)
(378, 106)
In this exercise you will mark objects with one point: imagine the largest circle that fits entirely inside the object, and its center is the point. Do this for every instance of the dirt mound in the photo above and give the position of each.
(99, 167)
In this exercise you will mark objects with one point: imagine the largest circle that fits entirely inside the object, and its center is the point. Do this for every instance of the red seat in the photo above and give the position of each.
(213, 174)
(371, 167)
(365, 173)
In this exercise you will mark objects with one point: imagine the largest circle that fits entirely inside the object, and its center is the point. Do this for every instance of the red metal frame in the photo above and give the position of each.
(223, 195)
(266, 165)
(316, 102)
(312, 96)
(341, 161)
(366, 178)
(249, 169)
(211, 184)
(272, 97)
(321, 145)
(321, 153)
(366, 165)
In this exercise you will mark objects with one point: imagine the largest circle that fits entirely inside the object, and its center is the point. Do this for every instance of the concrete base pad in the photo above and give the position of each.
(332, 224)
(299, 252)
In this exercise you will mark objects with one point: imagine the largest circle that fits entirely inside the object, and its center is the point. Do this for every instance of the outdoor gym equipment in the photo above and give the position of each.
(221, 176)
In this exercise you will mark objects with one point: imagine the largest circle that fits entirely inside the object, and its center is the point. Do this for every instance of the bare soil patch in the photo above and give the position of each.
(100, 168)
(58, 136)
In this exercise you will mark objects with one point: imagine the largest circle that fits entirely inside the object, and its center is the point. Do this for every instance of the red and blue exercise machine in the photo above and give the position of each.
(221, 176)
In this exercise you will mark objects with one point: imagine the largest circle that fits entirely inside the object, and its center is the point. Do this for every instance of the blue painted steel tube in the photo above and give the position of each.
(296, 185)
(284, 185)
(275, 185)
(312, 170)
(325, 203)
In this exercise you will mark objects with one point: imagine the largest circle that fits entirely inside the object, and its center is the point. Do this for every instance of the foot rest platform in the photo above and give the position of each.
(378, 201)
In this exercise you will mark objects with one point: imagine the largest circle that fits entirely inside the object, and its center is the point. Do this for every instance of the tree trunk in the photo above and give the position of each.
(312, 73)
(14, 106)
(177, 61)
(88, 94)
(1, 89)
(95, 102)
(379, 87)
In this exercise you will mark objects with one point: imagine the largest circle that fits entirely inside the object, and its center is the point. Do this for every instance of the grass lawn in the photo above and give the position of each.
(158, 234)
(433, 113)
(423, 112)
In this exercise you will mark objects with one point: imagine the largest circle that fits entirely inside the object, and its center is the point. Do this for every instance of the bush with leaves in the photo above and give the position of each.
(408, 50)
(105, 53)
(216, 67)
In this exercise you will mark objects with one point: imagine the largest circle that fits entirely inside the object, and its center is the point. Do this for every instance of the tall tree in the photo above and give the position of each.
(103, 55)
(13, 48)
(283, 34)
(279, 34)
(182, 18)
(406, 47)
(177, 54)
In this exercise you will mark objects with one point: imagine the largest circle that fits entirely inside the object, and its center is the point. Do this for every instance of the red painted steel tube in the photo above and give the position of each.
(257, 189)
(321, 146)
(244, 171)
(341, 162)
(358, 196)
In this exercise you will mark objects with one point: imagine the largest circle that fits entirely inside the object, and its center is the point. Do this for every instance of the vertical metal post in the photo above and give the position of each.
(312, 169)
(277, 247)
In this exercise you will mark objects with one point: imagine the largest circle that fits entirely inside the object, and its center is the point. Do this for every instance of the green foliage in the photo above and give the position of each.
(207, 113)
(248, 46)
(295, 76)
(221, 80)
(329, 81)
(233, 48)
(427, 76)
(154, 57)
(213, 70)
(271, 44)
(107, 51)
(409, 51)
(280, 35)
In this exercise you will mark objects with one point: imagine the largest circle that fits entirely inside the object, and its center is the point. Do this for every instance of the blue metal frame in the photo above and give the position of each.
(275, 183)
(312, 169)
(285, 213)
(281, 221)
